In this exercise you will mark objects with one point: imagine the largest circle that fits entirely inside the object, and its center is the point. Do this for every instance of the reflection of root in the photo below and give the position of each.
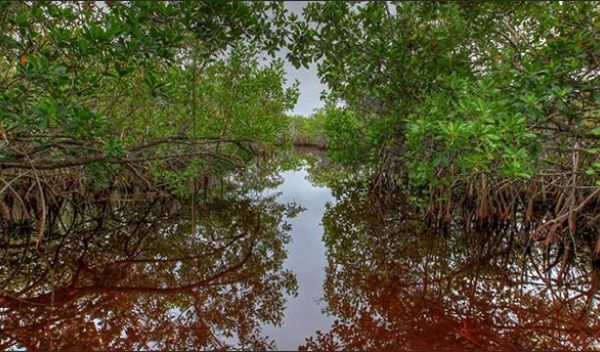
(585, 314)
(540, 210)
(559, 254)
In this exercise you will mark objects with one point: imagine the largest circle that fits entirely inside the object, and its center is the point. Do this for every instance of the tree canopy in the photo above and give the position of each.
(119, 84)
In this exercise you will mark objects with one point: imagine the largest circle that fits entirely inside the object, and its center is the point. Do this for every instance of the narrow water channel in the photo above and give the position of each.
(306, 258)
(246, 268)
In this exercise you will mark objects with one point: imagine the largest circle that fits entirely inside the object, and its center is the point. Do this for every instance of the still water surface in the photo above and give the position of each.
(352, 270)
(303, 314)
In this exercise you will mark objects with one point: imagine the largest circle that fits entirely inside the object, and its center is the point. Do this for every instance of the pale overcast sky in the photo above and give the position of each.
(310, 85)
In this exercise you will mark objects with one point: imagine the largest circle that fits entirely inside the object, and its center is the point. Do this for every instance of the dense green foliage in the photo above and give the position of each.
(438, 93)
(128, 84)
(135, 201)
(308, 131)
(491, 104)
(451, 91)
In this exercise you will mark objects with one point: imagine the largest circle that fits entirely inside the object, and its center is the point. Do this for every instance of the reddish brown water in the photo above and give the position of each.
(131, 273)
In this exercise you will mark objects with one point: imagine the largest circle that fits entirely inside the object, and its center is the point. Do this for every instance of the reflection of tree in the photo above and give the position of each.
(129, 274)
(393, 286)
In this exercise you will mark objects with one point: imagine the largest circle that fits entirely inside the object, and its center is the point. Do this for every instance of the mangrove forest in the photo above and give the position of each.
(314, 175)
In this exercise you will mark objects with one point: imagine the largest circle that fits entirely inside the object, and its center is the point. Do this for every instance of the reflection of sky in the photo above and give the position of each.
(306, 258)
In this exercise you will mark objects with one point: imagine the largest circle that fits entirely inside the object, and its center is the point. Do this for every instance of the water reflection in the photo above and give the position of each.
(393, 285)
(306, 259)
(125, 270)
(129, 272)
